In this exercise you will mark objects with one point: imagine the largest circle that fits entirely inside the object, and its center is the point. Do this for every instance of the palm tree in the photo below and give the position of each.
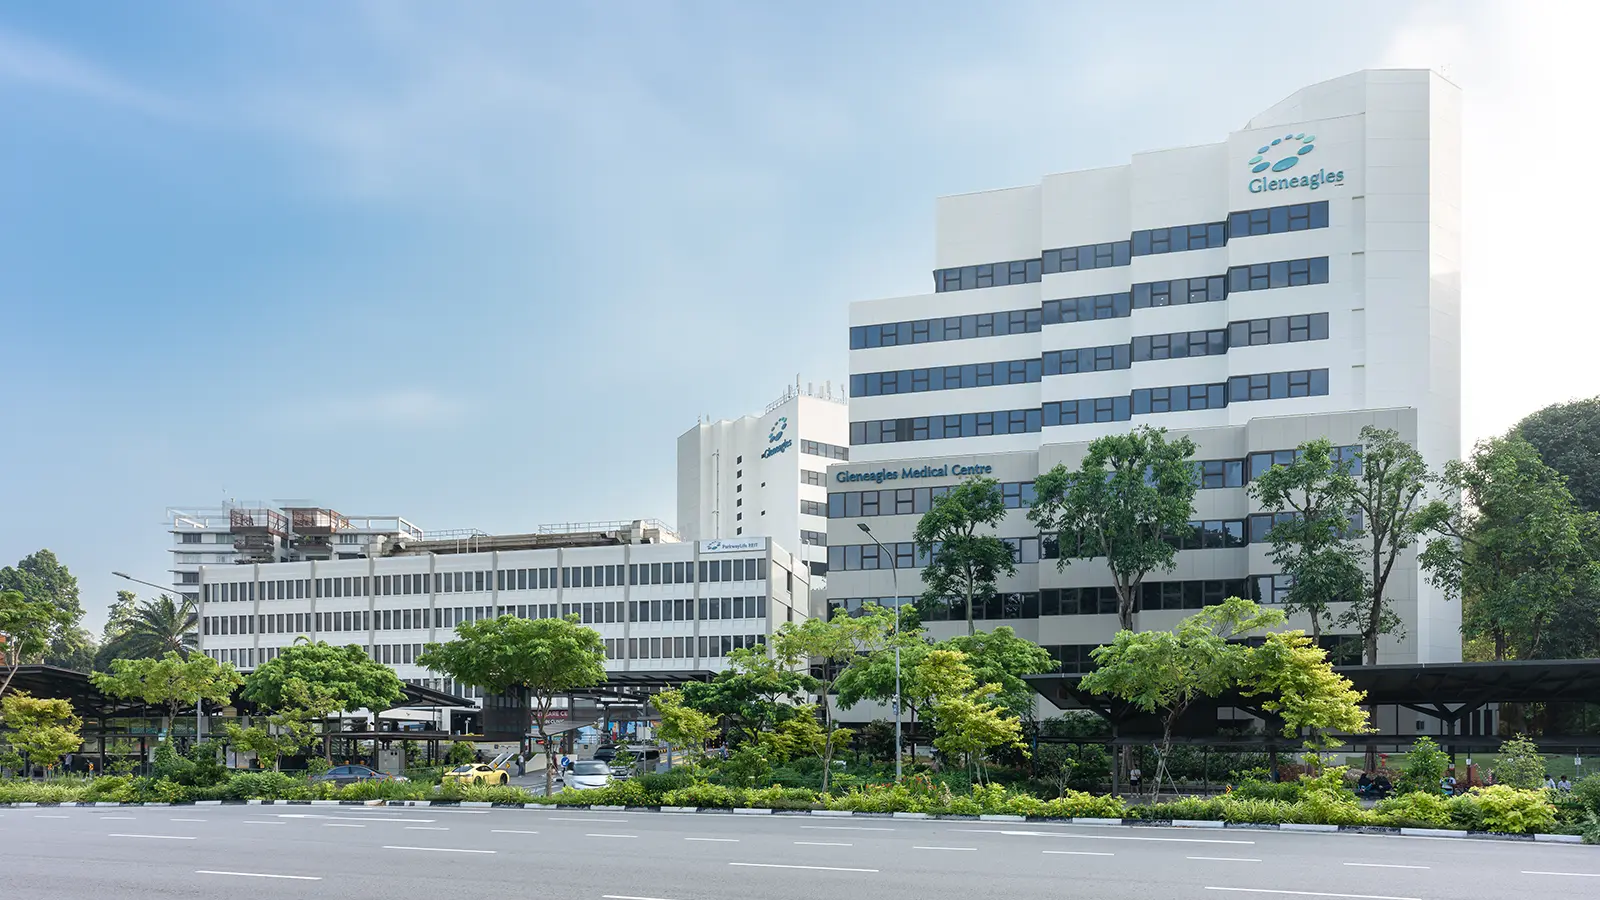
(151, 629)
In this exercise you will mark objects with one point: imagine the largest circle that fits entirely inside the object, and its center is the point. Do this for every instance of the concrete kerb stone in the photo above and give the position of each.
(680, 809)
(1001, 818)
(833, 813)
(1559, 838)
(757, 811)
(1433, 832)
(1197, 823)
(910, 815)
(1292, 826)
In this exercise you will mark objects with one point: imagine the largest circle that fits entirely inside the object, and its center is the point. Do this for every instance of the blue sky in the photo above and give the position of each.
(480, 266)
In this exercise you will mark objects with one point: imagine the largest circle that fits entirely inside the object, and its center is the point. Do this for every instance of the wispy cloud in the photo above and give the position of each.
(382, 409)
(27, 60)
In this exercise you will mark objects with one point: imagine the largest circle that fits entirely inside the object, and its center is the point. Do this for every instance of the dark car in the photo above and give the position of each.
(343, 775)
(606, 753)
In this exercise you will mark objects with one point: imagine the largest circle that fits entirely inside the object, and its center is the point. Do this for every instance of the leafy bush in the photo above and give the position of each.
(157, 790)
(461, 753)
(1591, 829)
(777, 797)
(1504, 809)
(1322, 808)
(425, 774)
(704, 795)
(263, 786)
(1183, 808)
(494, 793)
(1586, 792)
(1425, 768)
(1520, 765)
(1418, 809)
(1077, 804)
(1257, 810)
(1251, 789)
(109, 789)
(658, 783)
(64, 790)
(385, 790)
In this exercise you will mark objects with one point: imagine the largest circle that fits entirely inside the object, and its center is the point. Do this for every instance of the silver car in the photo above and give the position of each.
(587, 775)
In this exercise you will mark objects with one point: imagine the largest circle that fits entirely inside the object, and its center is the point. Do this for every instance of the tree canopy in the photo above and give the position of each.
(1128, 498)
(346, 676)
(753, 694)
(40, 727)
(834, 643)
(151, 628)
(1567, 437)
(1390, 496)
(25, 629)
(544, 657)
(964, 556)
(1311, 543)
(44, 581)
(170, 681)
(966, 720)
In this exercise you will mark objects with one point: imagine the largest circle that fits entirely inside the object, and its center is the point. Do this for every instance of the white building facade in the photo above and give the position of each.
(661, 607)
(1300, 279)
(765, 474)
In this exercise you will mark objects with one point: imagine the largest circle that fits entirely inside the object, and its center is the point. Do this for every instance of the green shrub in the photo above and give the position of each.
(63, 790)
(107, 789)
(1183, 808)
(461, 753)
(494, 793)
(1425, 768)
(1586, 792)
(158, 790)
(777, 797)
(1418, 809)
(1257, 810)
(1251, 789)
(1317, 807)
(1590, 829)
(1079, 805)
(385, 790)
(263, 786)
(658, 783)
(425, 774)
(703, 795)
(1504, 809)
(1520, 765)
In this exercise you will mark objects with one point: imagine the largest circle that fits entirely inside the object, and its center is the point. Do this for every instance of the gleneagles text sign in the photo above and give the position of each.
(1280, 155)
(936, 470)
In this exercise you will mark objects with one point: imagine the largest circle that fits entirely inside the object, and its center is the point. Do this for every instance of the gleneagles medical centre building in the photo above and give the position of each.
(1300, 279)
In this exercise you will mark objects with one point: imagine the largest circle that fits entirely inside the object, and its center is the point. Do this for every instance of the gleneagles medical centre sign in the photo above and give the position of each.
(948, 470)
(1283, 154)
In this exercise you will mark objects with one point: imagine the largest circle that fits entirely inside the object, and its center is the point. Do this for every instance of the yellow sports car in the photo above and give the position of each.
(476, 773)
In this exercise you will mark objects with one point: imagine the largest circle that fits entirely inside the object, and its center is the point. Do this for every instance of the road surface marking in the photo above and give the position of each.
(1077, 853)
(261, 822)
(155, 837)
(462, 812)
(626, 897)
(117, 818)
(341, 825)
(1385, 866)
(510, 831)
(612, 835)
(348, 818)
(427, 828)
(1101, 837)
(50, 817)
(186, 820)
(1311, 893)
(844, 828)
(944, 848)
(1568, 874)
(437, 849)
(781, 866)
(822, 844)
(715, 840)
(1222, 858)
(258, 875)
(582, 819)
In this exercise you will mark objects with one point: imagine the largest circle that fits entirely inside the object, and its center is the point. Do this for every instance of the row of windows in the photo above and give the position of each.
(827, 451)
(813, 477)
(950, 328)
(711, 647)
(904, 555)
(813, 508)
(1286, 273)
(930, 428)
(912, 501)
(965, 278)
(1145, 401)
(1261, 524)
(1175, 239)
(1260, 461)
(814, 538)
(1082, 412)
(945, 378)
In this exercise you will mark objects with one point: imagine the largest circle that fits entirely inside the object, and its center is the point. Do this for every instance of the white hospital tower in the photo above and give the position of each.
(1299, 279)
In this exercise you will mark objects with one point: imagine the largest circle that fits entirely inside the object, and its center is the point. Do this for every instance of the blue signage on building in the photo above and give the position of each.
(776, 435)
(948, 470)
(1294, 146)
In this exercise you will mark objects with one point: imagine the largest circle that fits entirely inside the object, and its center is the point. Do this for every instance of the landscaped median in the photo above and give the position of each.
(1317, 804)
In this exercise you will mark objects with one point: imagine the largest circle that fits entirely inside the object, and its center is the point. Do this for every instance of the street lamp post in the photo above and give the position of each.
(894, 575)
(199, 705)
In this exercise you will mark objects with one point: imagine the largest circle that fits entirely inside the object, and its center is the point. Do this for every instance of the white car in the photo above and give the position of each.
(587, 775)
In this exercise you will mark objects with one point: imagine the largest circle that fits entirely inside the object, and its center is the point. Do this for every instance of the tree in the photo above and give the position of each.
(170, 681)
(1302, 689)
(833, 643)
(544, 657)
(1166, 672)
(1131, 495)
(119, 614)
(962, 561)
(1389, 496)
(966, 721)
(41, 578)
(1567, 438)
(1425, 768)
(150, 629)
(1311, 544)
(313, 681)
(682, 725)
(800, 735)
(754, 693)
(1511, 543)
(1520, 764)
(25, 628)
(42, 728)
(1000, 657)
(290, 729)
(871, 677)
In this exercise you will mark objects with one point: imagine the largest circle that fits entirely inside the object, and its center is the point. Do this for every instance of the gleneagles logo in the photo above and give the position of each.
(1293, 146)
(776, 435)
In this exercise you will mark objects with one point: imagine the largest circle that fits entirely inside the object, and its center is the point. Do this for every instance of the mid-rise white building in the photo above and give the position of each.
(765, 474)
(270, 532)
(1300, 279)
(661, 605)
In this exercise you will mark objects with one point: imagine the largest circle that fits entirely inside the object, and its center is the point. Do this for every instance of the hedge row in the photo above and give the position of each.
(1497, 808)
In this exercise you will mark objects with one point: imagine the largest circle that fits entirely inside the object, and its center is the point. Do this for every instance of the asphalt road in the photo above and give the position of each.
(356, 853)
